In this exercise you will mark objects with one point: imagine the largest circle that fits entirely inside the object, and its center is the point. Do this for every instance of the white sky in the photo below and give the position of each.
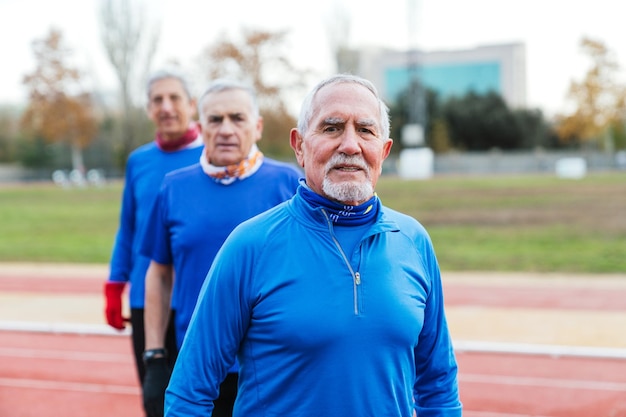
(550, 29)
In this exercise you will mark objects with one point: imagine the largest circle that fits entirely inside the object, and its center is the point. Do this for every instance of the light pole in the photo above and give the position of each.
(416, 160)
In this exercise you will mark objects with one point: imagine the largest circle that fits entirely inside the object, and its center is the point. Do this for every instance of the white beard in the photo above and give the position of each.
(348, 191)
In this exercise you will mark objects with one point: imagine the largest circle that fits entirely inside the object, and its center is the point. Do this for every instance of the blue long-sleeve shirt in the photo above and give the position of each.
(145, 169)
(193, 215)
(317, 333)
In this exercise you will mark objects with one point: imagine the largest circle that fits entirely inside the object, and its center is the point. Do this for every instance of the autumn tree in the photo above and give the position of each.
(58, 110)
(260, 58)
(8, 134)
(130, 45)
(599, 101)
(473, 122)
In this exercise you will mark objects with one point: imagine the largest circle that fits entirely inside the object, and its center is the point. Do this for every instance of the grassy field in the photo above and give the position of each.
(526, 223)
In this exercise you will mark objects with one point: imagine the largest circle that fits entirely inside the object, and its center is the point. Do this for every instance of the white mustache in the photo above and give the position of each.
(339, 159)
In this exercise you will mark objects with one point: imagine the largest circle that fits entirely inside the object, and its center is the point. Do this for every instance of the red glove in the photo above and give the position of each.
(113, 293)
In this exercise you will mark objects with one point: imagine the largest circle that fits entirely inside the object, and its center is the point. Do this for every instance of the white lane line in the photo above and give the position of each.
(459, 345)
(543, 382)
(71, 328)
(69, 386)
(63, 355)
(536, 349)
(467, 413)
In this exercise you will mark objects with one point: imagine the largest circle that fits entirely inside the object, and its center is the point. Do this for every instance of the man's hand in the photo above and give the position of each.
(113, 294)
(154, 384)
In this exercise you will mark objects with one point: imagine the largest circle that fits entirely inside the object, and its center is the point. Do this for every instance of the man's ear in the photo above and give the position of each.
(295, 140)
(259, 129)
(194, 106)
(387, 148)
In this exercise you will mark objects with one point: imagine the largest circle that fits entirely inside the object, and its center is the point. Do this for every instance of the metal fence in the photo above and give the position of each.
(527, 162)
(467, 163)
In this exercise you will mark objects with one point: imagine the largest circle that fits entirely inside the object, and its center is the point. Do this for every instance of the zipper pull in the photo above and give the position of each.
(357, 278)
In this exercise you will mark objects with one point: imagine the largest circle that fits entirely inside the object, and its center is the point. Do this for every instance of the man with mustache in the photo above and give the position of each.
(331, 302)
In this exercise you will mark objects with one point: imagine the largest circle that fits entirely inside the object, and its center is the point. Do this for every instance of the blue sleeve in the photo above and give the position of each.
(121, 259)
(436, 388)
(213, 338)
(155, 242)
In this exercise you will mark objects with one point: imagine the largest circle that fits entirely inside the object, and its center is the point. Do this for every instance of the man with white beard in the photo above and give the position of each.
(331, 302)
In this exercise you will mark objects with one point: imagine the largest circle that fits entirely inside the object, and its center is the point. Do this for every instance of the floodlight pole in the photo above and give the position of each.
(416, 160)
(417, 93)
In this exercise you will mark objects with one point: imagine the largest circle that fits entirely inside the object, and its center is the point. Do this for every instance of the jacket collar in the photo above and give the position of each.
(313, 217)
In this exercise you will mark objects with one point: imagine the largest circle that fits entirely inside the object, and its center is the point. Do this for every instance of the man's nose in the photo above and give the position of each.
(350, 142)
(227, 127)
(167, 105)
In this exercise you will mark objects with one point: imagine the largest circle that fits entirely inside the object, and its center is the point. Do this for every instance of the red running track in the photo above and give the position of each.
(509, 385)
(457, 294)
(70, 375)
(45, 374)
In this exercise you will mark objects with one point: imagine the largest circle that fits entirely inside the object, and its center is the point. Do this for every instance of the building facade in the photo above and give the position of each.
(492, 68)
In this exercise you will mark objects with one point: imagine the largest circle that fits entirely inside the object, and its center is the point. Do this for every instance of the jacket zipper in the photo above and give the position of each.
(356, 276)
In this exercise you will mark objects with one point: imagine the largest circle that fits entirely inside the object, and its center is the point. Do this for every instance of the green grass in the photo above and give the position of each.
(543, 249)
(519, 223)
(506, 223)
(43, 223)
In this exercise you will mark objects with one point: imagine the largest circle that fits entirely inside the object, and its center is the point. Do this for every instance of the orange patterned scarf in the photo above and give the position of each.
(228, 174)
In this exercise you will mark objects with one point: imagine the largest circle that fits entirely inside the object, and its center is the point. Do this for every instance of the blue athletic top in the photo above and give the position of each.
(192, 216)
(145, 169)
(319, 331)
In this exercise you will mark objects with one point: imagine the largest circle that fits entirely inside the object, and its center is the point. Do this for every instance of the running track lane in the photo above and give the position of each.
(70, 375)
(457, 294)
(516, 385)
(74, 375)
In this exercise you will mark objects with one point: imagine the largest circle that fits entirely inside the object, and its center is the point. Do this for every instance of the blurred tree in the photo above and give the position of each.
(130, 47)
(599, 101)
(261, 59)
(58, 109)
(479, 122)
(8, 134)
(534, 130)
(618, 134)
(439, 139)
(473, 122)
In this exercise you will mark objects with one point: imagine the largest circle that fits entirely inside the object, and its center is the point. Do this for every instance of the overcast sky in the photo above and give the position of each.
(551, 30)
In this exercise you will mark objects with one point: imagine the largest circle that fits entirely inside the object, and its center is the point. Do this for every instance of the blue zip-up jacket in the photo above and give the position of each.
(318, 332)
